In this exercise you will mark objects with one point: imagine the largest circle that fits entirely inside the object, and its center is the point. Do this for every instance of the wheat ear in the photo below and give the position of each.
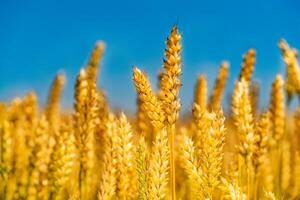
(218, 90)
(200, 94)
(248, 63)
(52, 108)
(277, 109)
(168, 94)
(149, 100)
(85, 119)
(244, 124)
(192, 166)
(243, 119)
(157, 177)
(92, 67)
(108, 182)
(290, 57)
(125, 156)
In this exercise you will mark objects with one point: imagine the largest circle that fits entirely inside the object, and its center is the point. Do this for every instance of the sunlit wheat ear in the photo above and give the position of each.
(232, 190)
(20, 152)
(170, 82)
(243, 119)
(244, 126)
(92, 67)
(158, 176)
(142, 121)
(267, 180)
(213, 153)
(270, 196)
(151, 104)
(100, 102)
(216, 97)
(212, 130)
(168, 94)
(39, 160)
(125, 156)
(200, 93)
(28, 124)
(103, 111)
(277, 109)
(108, 181)
(290, 57)
(54, 96)
(85, 121)
(62, 160)
(248, 63)
(262, 133)
(260, 155)
(201, 127)
(191, 164)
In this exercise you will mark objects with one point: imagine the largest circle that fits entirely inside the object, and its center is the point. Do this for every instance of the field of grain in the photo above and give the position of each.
(94, 152)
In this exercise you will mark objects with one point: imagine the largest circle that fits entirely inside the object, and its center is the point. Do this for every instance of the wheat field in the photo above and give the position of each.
(94, 152)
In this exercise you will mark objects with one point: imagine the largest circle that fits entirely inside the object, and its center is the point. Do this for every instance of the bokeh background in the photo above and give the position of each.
(39, 38)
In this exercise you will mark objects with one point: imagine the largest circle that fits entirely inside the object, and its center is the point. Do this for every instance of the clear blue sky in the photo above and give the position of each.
(38, 38)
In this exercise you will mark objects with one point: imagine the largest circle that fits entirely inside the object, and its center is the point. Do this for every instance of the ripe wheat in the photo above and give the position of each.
(95, 152)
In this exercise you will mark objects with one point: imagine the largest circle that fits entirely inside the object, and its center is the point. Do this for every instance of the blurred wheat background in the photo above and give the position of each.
(223, 131)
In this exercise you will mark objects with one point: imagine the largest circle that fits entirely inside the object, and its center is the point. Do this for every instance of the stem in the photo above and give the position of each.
(171, 133)
(279, 169)
(248, 182)
(255, 193)
(80, 180)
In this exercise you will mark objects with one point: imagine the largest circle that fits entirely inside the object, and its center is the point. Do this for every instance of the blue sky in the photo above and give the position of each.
(39, 38)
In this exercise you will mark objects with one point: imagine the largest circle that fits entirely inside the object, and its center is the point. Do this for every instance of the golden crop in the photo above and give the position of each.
(96, 153)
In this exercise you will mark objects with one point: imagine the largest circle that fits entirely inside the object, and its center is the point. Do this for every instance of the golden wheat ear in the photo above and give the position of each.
(168, 94)
(249, 60)
(92, 67)
(85, 122)
(191, 165)
(290, 58)
(170, 82)
(108, 179)
(219, 87)
(125, 157)
(159, 165)
(151, 104)
(200, 93)
(54, 96)
(243, 119)
(277, 109)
